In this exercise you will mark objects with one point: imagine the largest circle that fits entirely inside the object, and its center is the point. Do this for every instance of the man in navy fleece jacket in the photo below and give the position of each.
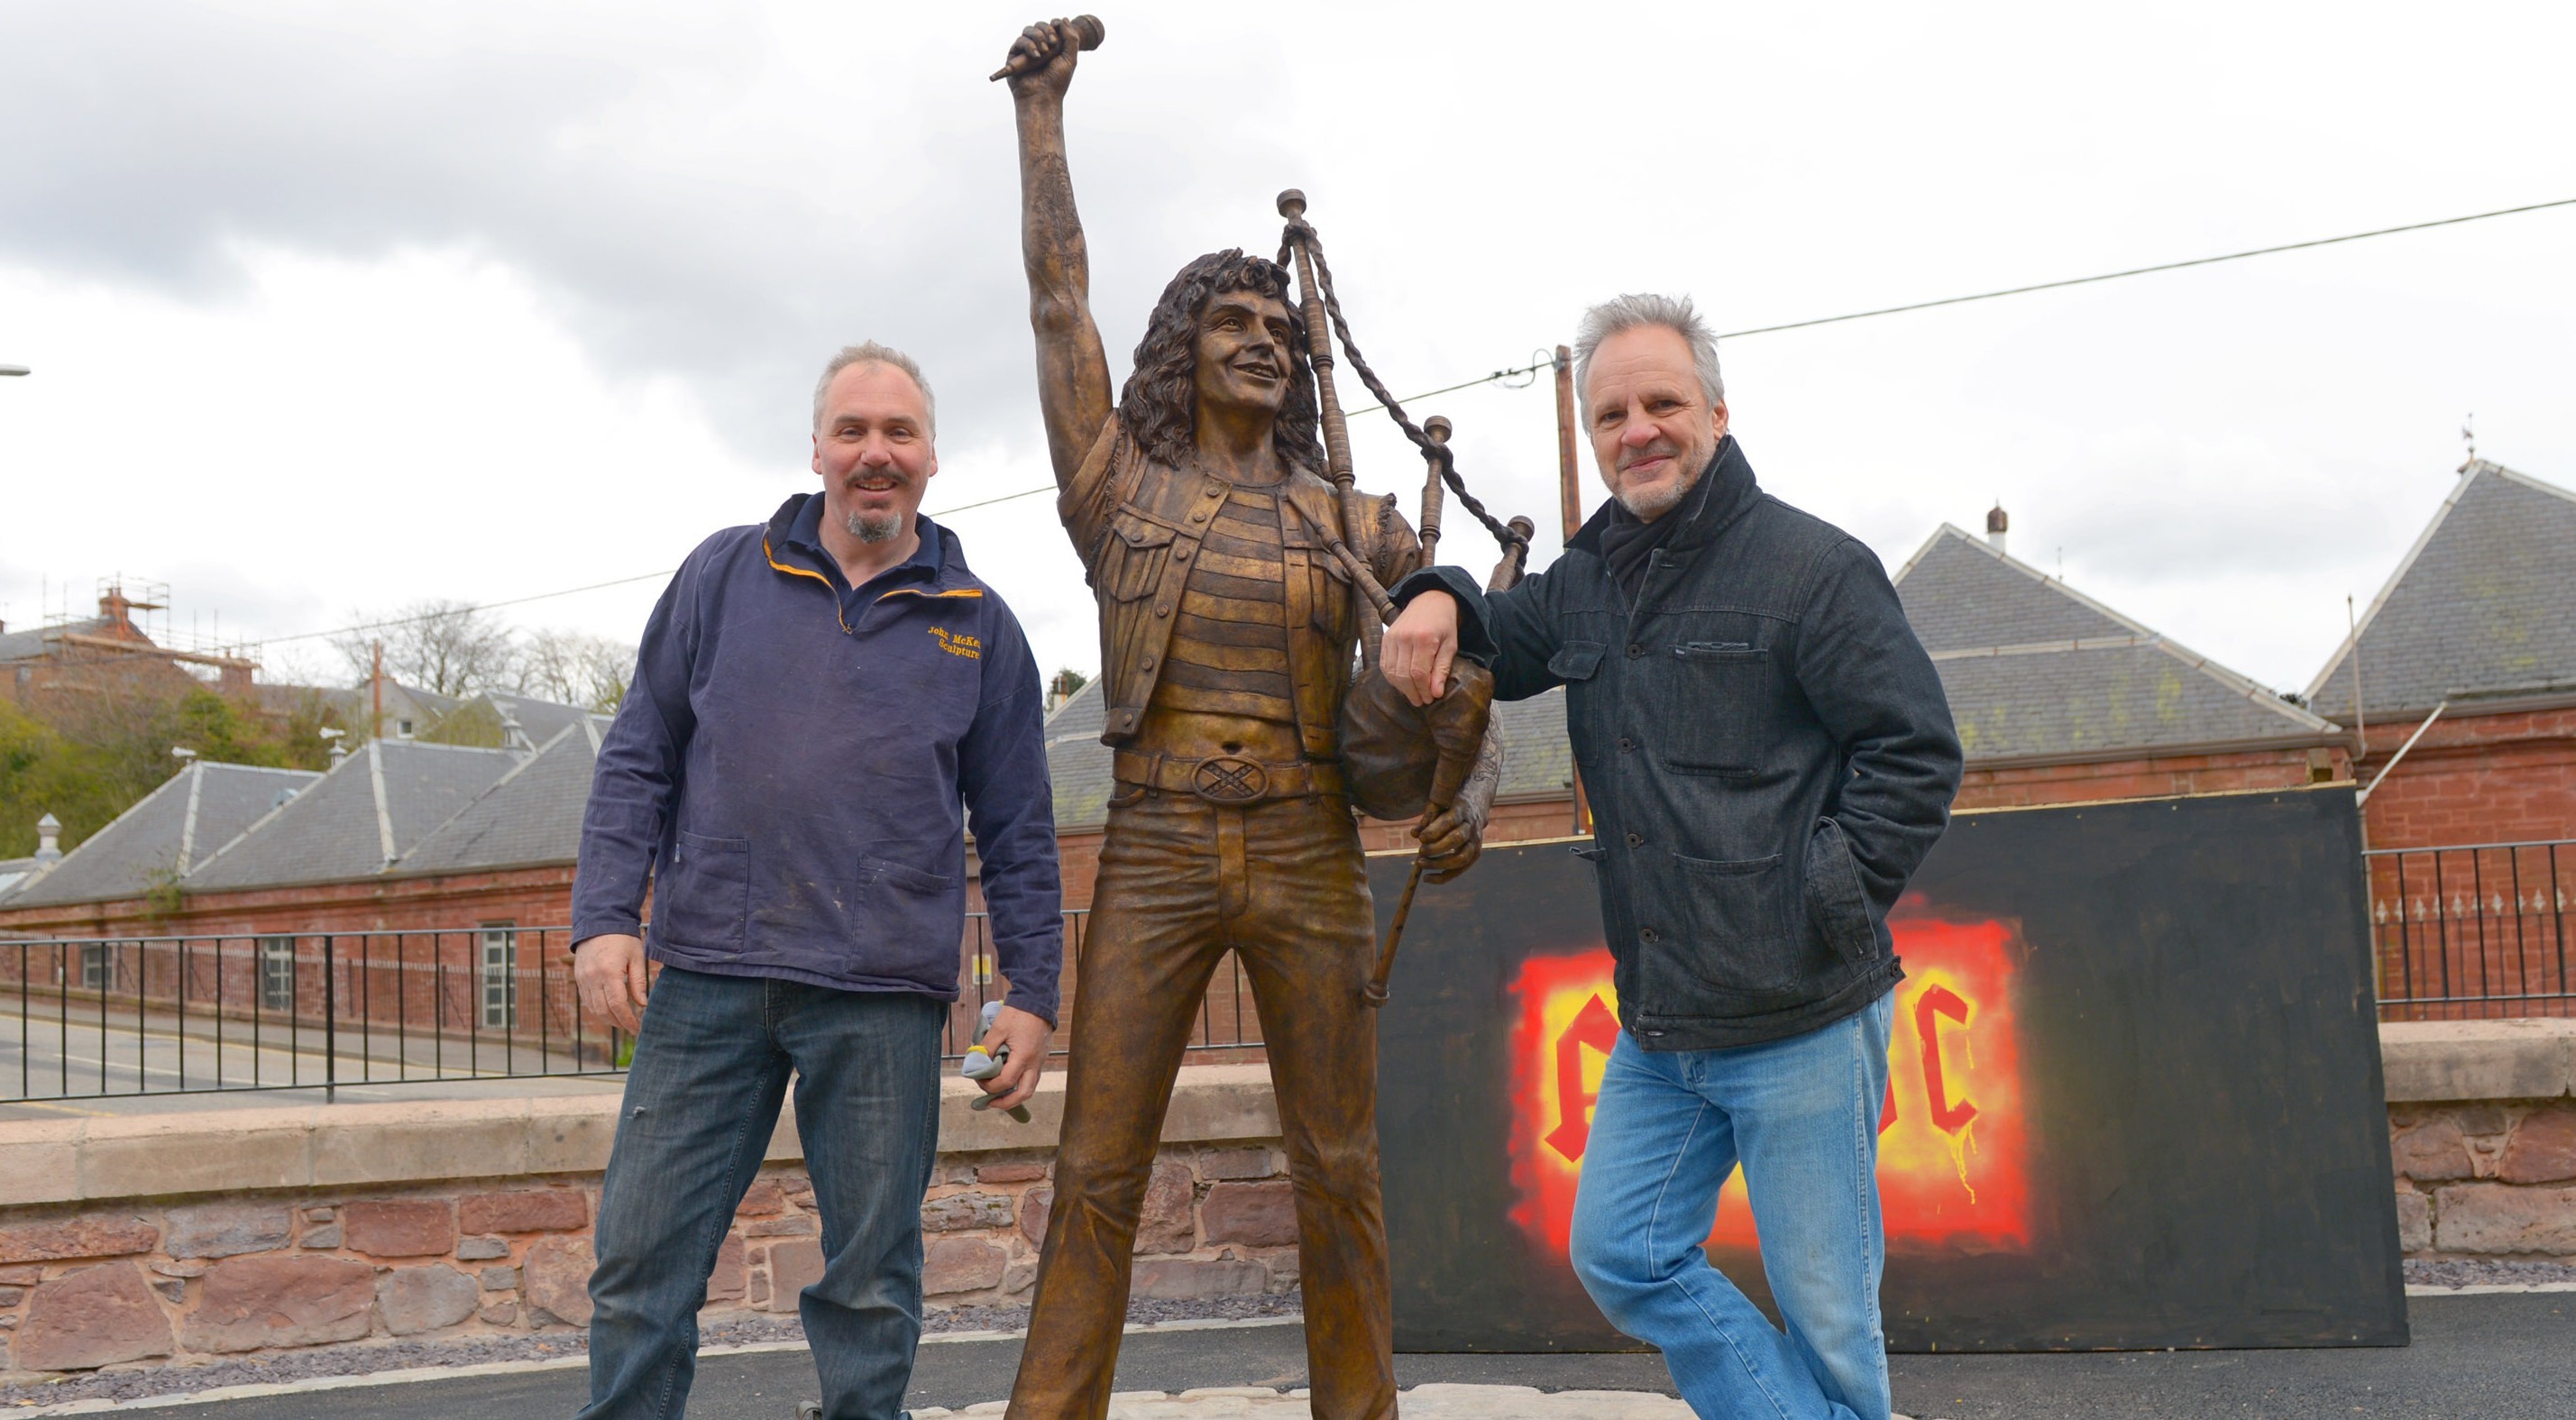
(819, 702)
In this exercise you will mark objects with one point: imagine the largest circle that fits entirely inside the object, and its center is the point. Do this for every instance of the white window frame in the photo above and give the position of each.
(277, 973)
(497, 974)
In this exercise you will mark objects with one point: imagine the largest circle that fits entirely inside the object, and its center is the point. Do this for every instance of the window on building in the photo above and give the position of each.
(500, 975)
(97, 966)
(402, 729)
(277, 973)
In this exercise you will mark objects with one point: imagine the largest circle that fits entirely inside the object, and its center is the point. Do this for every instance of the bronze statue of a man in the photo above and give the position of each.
(1226, 642)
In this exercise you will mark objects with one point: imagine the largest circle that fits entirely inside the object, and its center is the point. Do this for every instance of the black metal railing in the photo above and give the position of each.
(334, 1010)
(294, 1010)
(2474, 931)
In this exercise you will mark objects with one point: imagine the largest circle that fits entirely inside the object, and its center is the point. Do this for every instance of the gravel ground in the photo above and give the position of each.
(366, 1358)
(2466, 1272)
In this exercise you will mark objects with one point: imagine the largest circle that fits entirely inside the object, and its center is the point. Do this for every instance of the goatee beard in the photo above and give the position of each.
(1648, 504)
(884, 527)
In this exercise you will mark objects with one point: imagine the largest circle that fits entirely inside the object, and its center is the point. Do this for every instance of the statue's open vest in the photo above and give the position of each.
(1137, 524)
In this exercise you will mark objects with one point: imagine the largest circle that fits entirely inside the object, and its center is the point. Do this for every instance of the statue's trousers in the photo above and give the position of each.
(1282, 883)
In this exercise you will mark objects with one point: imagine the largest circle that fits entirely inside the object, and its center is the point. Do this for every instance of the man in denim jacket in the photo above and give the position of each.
(820, 701)
(1769, 756)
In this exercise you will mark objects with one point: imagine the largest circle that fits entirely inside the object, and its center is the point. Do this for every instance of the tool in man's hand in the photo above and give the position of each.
(980, 1066)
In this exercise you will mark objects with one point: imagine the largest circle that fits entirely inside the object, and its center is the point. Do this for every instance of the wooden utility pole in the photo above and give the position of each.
(1569, 481)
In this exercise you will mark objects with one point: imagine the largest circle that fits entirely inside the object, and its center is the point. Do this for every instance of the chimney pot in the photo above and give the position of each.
(49, 836)
(1997, 523)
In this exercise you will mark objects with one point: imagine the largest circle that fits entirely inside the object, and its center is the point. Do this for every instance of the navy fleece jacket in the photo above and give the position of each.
(796, 764)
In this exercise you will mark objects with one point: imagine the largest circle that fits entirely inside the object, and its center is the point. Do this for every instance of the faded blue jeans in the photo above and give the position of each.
(1801, 1115)
(702, 1097)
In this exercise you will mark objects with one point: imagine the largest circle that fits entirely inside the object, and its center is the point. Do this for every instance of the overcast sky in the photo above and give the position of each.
(335, 306)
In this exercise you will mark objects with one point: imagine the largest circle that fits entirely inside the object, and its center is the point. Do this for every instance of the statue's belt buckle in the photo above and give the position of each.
(1228, 779)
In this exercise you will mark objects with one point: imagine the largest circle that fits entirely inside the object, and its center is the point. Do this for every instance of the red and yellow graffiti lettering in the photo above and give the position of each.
(1952, 1171)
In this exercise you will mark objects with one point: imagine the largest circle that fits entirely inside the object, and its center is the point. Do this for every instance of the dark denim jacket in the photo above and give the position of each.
(1766, 748)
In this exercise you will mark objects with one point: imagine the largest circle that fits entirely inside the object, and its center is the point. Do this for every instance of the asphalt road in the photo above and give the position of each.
(2497, 1357)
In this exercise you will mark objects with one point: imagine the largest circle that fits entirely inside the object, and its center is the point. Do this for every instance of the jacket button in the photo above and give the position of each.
(1648, 935)
(1214, 488)
(1181, 556)
(1162, 608)
(1635, 650)
(1636, 840)
(1149, 663)
(1626, 745)
(1198, 517)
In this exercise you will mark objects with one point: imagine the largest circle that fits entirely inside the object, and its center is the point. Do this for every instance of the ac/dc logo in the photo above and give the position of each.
(1952, 1152)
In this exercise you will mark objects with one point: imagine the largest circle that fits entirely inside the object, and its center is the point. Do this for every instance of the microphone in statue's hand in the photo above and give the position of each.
(1088, 32)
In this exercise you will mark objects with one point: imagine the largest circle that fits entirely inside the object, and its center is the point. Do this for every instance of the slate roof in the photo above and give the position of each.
(531, 815)
(1537, 761)
(180, 825)
(29, 645)
(2037, 670)
(15, 871)
(371, 808)
(1077, 762)
(539, 720)
(2483, 603)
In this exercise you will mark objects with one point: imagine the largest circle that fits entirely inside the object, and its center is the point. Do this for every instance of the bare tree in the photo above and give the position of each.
(447, 647)
(573, 668)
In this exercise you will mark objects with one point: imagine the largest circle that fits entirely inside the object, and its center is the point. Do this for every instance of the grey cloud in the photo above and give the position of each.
(150, 143)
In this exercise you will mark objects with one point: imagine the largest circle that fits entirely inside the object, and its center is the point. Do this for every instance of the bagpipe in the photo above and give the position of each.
(1401, 760)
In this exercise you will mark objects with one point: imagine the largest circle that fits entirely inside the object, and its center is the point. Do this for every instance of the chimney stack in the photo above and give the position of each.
(49, 839)
(1997, 522)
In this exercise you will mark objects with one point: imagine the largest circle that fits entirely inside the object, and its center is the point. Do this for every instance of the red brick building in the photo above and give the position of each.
(2461, 679)
(108, 653)
(2478, 626)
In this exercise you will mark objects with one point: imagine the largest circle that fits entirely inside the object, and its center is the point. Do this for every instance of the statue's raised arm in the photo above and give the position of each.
(1073, 370)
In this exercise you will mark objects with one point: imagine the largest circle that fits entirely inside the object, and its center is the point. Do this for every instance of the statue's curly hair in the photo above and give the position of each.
(1160, 404)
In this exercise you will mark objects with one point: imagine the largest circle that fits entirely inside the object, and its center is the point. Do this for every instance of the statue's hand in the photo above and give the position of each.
(1451, 839)
(1041, 60)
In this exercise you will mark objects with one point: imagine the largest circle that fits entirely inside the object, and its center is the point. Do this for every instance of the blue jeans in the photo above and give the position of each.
(702, 1098)
(1801, 1115)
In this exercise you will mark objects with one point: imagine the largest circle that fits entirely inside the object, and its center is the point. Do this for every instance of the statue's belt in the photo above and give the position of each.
(1227, 778)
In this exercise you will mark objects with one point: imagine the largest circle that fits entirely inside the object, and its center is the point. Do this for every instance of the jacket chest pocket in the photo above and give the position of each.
(1139, 549)
(1712, 702)
(1576, 663)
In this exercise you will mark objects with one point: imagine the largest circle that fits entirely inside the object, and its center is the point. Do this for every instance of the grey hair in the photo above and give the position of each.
(868, 352)
(1673, 313)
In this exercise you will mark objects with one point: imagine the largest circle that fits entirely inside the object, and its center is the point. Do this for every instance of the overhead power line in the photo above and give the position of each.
(1519, 370)
(459, 610)
(2148, 270)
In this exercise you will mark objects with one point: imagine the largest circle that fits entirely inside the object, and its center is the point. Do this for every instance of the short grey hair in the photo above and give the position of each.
(868, 352)
(1673, 313)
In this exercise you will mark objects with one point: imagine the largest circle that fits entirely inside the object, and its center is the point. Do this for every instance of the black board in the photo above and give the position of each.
(2151, 1029)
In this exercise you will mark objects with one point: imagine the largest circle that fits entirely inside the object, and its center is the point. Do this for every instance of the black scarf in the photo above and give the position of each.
(1628, 542)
